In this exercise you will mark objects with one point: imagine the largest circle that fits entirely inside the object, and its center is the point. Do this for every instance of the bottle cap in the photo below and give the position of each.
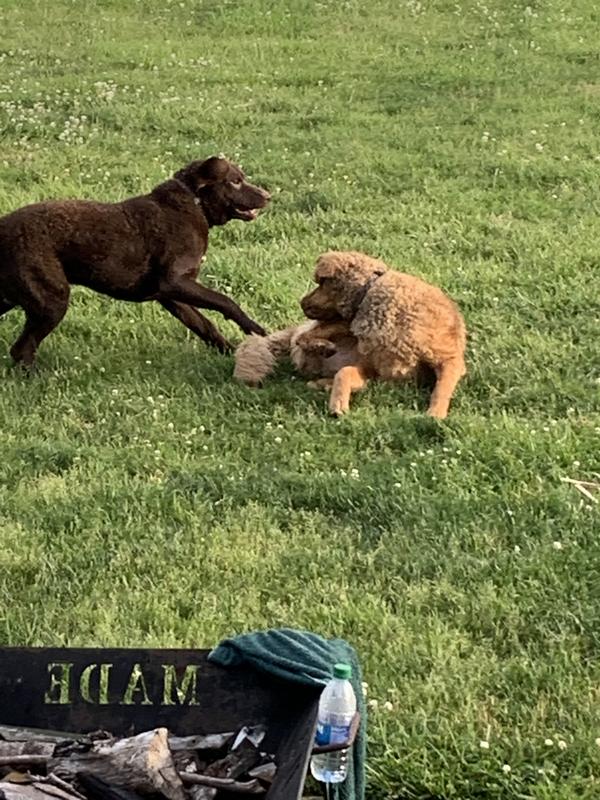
(343, 671)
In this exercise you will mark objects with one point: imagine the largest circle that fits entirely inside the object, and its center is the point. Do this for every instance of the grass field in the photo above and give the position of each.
(146, 499)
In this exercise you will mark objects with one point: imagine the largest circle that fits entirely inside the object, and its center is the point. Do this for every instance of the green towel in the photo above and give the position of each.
(303, 657)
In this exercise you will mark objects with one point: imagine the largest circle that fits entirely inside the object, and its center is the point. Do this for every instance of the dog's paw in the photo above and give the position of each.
(223, 346)
(339, 406)
(437, 413)
(317, 347)
(254, 327)
(250, 383)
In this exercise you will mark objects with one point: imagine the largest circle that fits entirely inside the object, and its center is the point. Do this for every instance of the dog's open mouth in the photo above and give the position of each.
(247, 214)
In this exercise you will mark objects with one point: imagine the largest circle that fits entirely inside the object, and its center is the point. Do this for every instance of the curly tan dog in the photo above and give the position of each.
(400, 323)
(372, 322)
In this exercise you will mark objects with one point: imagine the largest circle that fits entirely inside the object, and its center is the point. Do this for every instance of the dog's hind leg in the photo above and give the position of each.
(44, 300)
(198, 324)
(347, 380)
(448, 375)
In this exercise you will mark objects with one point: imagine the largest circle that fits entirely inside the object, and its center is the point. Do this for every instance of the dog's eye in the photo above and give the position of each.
(236, 184)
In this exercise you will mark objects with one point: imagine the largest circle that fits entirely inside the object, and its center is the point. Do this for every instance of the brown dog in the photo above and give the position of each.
(143, 248)
(401, 325)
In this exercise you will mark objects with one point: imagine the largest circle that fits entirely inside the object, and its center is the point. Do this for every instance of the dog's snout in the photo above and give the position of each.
(306, 306)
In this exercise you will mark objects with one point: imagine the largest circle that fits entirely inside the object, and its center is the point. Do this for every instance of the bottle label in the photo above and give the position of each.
(331, 734)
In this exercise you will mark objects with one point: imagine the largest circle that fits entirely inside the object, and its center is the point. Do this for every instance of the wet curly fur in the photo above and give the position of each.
(401, 324)
(368, 321)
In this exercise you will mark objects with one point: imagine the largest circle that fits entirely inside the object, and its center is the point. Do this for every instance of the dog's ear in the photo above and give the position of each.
(193, 176)
(326, 267)
(199, 174)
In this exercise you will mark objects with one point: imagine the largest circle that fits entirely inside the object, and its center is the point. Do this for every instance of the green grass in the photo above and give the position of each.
(147, 499)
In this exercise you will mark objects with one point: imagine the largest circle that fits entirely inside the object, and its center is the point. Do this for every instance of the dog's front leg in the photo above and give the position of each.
(198, 324)
(448, 375)
(185, 290)
(347, 380)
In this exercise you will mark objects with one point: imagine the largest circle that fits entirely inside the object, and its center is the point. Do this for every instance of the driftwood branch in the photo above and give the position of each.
(27, 760)
(11, 733)
(210, 741)
(108, 768)
(56, 781)
(141, 763)
(227, 784)
(35, 791)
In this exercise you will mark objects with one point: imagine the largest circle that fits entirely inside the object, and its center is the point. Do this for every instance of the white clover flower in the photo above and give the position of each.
(548, 742)
(557, 545)
(277, 440)
(506, 768)
(484, 744)
(562, 745)
(516, 549)
(388, 706)
(539, 147)
(597, 741)
(373, 704)
(365, 688)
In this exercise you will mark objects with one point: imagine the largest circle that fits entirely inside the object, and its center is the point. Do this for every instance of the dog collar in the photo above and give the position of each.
(369, 285)
(187, 188)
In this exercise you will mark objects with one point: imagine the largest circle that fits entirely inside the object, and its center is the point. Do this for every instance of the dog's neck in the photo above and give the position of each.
(187, 188)
(362, 292)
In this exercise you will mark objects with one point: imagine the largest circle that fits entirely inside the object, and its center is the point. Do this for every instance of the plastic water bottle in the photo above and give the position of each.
(337, 707)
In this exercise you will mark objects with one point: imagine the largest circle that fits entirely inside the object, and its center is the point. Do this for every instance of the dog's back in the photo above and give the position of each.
(403, 322)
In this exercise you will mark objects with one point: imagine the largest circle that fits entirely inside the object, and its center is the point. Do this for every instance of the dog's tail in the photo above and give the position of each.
(257, 356)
